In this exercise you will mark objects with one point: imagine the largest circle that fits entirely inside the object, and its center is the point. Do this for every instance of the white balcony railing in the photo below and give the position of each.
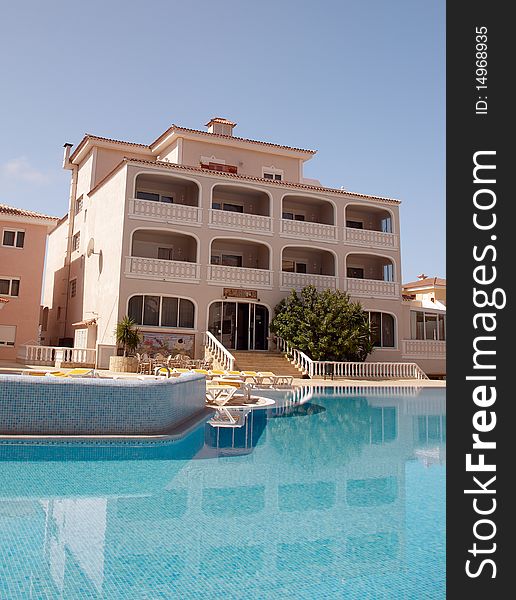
(225, 219)
(308, 231)
(239, 276)
(164, 270)
(423, 349)
(49, 355)
(298, 281)
(368, 237)
(161, 212)
(372, 288)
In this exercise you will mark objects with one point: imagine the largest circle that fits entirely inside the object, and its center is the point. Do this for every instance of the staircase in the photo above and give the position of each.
(264, 361)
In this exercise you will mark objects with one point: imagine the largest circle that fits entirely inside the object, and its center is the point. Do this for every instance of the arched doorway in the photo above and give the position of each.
(239, 325)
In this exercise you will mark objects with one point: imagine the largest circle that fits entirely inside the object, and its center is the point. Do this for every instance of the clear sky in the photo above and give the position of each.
(361, 81)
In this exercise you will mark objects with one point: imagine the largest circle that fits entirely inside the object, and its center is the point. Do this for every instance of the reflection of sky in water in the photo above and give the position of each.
(340, 497)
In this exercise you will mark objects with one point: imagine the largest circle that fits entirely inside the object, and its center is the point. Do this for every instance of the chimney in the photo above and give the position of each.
(220, 126)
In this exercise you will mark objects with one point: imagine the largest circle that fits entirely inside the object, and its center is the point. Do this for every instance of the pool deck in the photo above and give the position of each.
(12, 367)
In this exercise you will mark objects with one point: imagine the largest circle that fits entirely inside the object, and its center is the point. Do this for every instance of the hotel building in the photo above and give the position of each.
(23, 235)
(206, 231)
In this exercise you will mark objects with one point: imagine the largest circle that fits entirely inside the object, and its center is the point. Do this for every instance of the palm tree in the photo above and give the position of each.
(128, 336)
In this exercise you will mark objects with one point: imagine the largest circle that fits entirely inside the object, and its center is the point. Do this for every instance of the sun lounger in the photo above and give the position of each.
(225, 417)
(81, 373)
(220, 394)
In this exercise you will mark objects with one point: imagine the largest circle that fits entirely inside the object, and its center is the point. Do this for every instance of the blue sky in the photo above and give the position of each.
(361, 81)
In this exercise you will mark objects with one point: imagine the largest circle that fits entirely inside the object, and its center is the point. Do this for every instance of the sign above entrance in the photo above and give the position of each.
(239, 293)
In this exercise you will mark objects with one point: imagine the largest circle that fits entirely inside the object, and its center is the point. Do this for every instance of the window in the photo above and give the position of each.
(162, 311)
(7, 335)
(76, 240)
(291, 216)
(355, 224)
(293, 266)
(14, 238)
(272, 173)
(73, 288)
(388, 272)
(228, 260)
(9, 286)
(228, 206)
(355, 273)
(155, 197)
(386, 225)
(79, 204)
(427, 326)
(382, 330)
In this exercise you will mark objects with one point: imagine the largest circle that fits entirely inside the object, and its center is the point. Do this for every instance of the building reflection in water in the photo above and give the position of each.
(317, 486)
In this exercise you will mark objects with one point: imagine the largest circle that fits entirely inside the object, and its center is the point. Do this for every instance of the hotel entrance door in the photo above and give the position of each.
(240, 325)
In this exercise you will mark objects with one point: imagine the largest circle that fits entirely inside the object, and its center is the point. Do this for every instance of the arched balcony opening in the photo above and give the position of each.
(312, 218)
(165, 198)
(302, 266)
(163, 255)
(370, 226)
(240, 208)
(371, 275)
(240, 263)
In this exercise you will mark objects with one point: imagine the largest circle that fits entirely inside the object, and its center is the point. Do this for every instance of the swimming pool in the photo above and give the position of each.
(342, 496)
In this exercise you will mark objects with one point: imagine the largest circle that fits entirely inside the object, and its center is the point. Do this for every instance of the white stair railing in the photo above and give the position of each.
(350, 370)
(218, 352)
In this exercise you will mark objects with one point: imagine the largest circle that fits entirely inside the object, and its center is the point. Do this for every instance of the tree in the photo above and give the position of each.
(128, 336)
(324, 325)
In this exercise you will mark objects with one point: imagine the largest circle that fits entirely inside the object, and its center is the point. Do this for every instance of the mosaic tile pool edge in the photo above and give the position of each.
(47, 406)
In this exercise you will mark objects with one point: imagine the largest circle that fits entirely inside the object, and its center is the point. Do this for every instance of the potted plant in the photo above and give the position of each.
(128, 338)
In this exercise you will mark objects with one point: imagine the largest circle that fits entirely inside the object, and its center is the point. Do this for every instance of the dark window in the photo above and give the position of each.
(288, 215)
(167, 199)
(15, 287)
(162, 311)
(300, 267)
(151, 310)
(277, 177)
(135, 309)
(147, 196)
(186, 313)
(387, 331)
(355, 273)
(355, 224)
(233, 207)
(169, 312)
(376, 328)
(5, 286)
(13, 238)
(268, 176)
(216, 205)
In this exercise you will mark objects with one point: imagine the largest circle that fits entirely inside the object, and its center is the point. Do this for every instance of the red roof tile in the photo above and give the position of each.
(20, 212)
(426, 282)
(243, 178)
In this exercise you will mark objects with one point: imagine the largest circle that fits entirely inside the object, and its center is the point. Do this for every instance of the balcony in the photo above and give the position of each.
(373, 239)
(309, 218)
(423, 349)
(297, 281)
(240, 209)
(239, 276)
(371, 276)
(162, 270)
(302, 266)
(165, 199)
(239, 263)
(370, 226)
(372, 288)
(221, 219)
(310, 231)
(162, 255)
(147, 210)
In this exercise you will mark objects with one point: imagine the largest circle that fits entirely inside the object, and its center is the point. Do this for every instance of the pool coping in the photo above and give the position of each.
(178, 432)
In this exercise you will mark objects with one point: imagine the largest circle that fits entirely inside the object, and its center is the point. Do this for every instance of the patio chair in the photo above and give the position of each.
(225, 417)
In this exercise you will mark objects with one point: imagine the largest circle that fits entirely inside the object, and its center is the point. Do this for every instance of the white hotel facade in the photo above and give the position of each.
(205, 231)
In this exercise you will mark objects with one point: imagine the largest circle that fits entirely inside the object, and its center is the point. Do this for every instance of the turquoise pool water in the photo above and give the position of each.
(340, 497)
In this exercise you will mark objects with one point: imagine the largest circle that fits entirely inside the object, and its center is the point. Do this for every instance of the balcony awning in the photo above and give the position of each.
(3, 302)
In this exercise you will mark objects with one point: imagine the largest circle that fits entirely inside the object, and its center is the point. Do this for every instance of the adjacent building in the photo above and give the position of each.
(202, 230)
(23, 235)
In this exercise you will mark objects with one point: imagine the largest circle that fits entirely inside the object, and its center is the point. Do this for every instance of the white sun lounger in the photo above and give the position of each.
(228, 418)
(220, 394)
